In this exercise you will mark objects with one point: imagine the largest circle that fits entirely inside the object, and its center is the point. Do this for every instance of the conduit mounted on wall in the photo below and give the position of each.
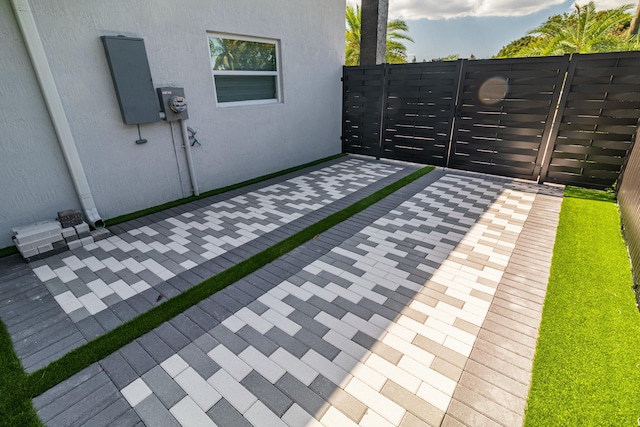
(29, 30)
(174, 107)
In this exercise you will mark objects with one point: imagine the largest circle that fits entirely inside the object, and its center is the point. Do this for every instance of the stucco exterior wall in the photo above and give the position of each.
(238, 143)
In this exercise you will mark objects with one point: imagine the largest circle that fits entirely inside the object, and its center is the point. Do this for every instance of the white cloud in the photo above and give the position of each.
(439, 9)
(612, 4)
(445, 9)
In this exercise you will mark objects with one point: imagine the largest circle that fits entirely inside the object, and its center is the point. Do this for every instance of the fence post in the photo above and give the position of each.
(455, 111)
(623, 168)
(344, 108)
(552, 128)
(383, 110)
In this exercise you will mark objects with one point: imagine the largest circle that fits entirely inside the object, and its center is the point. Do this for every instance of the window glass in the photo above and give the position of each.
(242, 55)
(244, 70)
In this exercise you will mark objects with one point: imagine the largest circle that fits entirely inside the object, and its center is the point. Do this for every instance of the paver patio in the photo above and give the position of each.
(421, 310)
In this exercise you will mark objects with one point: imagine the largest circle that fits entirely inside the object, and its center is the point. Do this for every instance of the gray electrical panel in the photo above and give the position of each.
(131, 76)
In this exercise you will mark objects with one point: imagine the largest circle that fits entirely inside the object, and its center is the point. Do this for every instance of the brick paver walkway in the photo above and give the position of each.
(421, 310)
(93, 289)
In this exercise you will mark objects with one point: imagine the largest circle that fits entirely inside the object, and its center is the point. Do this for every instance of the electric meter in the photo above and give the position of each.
(178, 104)
(173, 103)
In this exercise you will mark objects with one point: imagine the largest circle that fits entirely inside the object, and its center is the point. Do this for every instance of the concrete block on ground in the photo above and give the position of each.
(38, 227)
(100, 234)
(45, 248)
(38, 232)
(70, 218)
(82, 228)
(86, 240)
(68, 232)
(29, 253)
(74, 244)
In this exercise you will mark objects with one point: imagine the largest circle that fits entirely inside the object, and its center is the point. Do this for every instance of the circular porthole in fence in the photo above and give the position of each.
(493, 90)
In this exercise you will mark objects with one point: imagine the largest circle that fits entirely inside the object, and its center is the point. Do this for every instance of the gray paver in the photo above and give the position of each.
(137, 357)
(90, 405)
(228, 339)
(155, 347)
(200, 318)
(318, 344)
(154, 414)
(171, 336)
(90, 328)
(106, 417)
(199, 361)
(451, 205)
(257, 340)
(187, 327)
(301, 394)
(119, 370)
(268, 394)
(292, 345)
(163, 386)
(71, 397)
(224, 414)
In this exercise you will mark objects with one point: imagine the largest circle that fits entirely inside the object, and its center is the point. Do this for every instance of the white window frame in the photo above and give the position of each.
(276, 73)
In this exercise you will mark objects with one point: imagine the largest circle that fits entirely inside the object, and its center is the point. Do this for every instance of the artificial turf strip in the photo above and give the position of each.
(9, 250)
(78, 359)
(587, 365)
(15, 402)
(174, 203)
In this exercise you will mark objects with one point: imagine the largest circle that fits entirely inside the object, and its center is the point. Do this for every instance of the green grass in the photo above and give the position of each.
(9, 250)
(587, 364)
(12, 377)
(15, 401)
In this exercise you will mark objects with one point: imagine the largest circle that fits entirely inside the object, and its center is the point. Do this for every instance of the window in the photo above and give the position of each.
(245, 71)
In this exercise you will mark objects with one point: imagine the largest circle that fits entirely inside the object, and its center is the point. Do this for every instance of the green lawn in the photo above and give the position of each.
(587, 363)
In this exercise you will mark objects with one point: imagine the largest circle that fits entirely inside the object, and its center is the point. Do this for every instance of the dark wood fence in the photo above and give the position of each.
(568, 119)
(629, 203)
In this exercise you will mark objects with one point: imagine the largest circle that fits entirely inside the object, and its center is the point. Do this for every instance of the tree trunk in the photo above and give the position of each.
(373, 31)
(635, 22)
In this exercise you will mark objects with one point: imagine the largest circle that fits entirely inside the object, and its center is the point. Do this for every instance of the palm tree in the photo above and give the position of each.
(396, 51)
(230, 54)
(584, 31)
(634, 28)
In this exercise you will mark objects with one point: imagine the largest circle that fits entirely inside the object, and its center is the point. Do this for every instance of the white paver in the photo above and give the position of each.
(330, 370)
(234, 392)
(44, 273)
(300, 370)
(136, 392)
(92, 303)
(390, 410)
(261, 416)
(188, 413)
(99, 288)
(68, 302)
(198, 389)
(262, 364)
(174, 365)
(231, 363)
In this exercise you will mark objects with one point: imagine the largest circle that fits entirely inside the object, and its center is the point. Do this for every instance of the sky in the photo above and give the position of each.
(441, 28)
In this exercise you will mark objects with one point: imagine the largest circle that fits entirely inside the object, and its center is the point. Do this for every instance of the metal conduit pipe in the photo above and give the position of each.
(31, 37)
(187, 152)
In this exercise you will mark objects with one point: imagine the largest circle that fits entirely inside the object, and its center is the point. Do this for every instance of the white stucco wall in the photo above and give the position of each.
(238, 143)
